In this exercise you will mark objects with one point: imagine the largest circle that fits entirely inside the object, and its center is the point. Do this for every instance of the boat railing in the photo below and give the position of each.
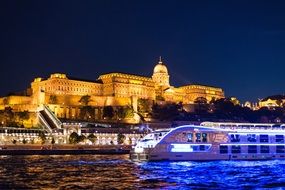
(244, 126)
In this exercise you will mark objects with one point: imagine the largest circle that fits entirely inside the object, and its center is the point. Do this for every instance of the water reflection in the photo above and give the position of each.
(117, 172)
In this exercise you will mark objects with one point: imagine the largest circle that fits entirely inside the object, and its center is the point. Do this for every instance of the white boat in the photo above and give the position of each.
(213, 141)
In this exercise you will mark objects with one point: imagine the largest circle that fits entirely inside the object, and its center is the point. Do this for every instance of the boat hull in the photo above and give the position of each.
(201, 157)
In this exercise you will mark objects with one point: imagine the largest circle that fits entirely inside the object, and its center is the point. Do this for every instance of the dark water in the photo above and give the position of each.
(117, 172)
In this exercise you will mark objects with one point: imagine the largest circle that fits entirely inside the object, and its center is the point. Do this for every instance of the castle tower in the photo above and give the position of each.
(160, 75)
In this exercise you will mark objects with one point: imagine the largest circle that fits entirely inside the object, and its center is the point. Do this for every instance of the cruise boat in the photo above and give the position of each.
(213, 141)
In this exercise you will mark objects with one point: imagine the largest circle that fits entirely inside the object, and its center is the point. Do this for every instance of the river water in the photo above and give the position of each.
(118, 172)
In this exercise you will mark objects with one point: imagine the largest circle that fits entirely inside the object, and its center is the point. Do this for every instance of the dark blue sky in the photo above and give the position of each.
(236, 45)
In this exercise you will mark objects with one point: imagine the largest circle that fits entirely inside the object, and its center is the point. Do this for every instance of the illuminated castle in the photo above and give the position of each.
(62, 93)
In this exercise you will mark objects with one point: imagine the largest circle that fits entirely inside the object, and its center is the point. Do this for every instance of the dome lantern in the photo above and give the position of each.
(160, 67)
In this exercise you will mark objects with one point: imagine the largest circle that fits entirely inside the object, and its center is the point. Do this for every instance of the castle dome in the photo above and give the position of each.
(160, 68)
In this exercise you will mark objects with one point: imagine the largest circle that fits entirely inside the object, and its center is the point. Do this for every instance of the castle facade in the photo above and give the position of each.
(63, 94)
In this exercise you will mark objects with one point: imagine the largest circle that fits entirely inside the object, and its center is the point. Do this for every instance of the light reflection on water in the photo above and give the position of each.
(118, 172)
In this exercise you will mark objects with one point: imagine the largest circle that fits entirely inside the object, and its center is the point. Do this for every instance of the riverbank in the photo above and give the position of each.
(63, 150)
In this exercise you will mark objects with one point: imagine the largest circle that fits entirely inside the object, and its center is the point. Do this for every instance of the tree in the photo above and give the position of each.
(279, 102)
(73, 138)
(87, 113)
(130, 140)
(201, 105)
(159, 98)
(92, 138)
(84, 100)
(144, 105)
(42, 136)
(125, 112)
(52, 99)
(81, 138)
(14, 141)
(52, 141)
(121, 138)
(165, 112)
(24, 141)
(23, 115)
(8, 115)
(108, 112)
(5, 101)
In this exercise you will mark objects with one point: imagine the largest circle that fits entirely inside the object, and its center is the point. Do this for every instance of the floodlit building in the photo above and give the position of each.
(63, 94)
(272, 101)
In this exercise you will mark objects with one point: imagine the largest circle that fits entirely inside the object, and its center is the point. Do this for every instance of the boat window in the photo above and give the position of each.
(276, 127)
(280, 149)
(236, 149)
(251, 137)
(252, 149)
(223, 149)
(198, 137)
(195, 148)
(145, 140)
(263, 138)
(204, 137)
(279, 138)
(264, 149)
(202, 147)
(189, 137)
(235, 138)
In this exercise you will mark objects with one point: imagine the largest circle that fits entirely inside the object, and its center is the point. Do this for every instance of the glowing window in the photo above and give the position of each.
(190, 137)
(198, 137)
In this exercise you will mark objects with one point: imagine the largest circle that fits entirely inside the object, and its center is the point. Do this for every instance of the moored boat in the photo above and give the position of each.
(213, 141)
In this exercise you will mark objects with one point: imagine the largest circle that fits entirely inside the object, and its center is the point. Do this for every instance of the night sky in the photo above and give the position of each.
(236, 45)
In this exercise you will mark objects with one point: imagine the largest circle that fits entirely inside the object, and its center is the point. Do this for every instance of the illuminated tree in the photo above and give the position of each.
(121, 138)
(52, 141)
(92, 138)
(125, 112)
(52, 99)
(201, 105)
(108, 112)
(84, 100)
(87, 113)
(73, 138)
(23, 115)
(81, 138)
(144, 105)
(42, 136)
